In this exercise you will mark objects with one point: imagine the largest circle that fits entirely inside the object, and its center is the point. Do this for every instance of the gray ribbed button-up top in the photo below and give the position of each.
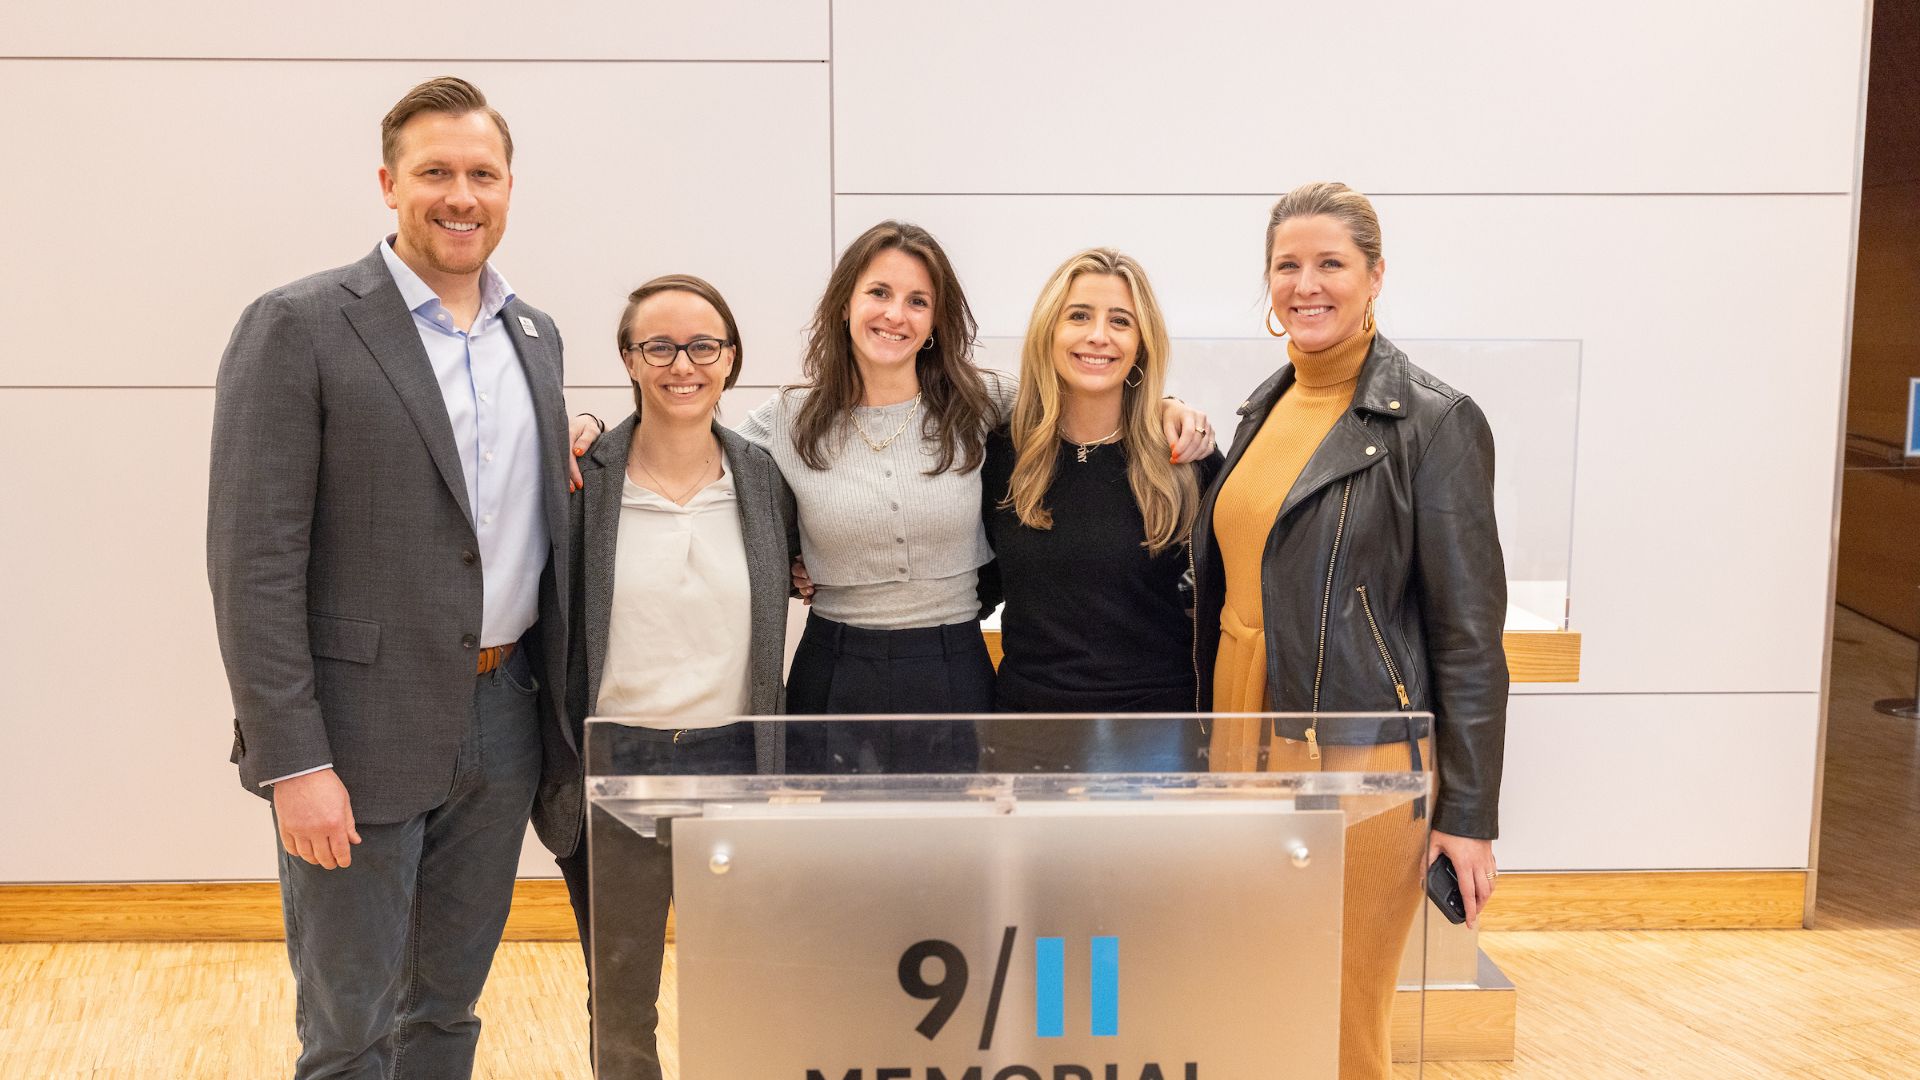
(888, 547)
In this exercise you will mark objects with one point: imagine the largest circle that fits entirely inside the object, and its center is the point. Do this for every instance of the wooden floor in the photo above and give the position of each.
(1836, 1002)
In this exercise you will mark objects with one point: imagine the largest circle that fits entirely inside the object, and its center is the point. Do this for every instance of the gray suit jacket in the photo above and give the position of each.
(345, 569)
(766, 514)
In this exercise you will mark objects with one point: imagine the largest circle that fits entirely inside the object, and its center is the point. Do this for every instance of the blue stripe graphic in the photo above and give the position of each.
(1913, 417)
(1106, 986)
(1049, 987)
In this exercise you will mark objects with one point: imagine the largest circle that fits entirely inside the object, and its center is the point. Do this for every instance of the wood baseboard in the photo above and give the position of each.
(215, 911)
(250, 910)
(1650, 900)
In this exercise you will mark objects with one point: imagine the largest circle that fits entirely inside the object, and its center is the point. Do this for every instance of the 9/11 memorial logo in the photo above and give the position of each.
(947, 989)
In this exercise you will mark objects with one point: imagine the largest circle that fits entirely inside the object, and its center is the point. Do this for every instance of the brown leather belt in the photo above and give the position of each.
(493, 656)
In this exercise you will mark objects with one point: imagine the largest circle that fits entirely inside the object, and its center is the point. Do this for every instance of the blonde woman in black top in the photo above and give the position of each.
(1089, 518)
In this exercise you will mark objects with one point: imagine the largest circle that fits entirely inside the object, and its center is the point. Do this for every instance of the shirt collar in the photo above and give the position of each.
(495, 293)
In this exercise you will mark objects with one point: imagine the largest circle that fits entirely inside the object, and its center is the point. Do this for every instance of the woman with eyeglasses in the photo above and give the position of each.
(679, 577)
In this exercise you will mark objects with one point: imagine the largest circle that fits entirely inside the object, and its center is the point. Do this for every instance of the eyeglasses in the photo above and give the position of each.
(659, 352)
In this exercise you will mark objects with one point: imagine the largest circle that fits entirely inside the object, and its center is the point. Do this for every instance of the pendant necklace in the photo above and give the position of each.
(1082, 449)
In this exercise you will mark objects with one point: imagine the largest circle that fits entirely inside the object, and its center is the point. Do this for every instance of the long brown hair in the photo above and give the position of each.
(1167, 494)
(686, 283)
(954, 404)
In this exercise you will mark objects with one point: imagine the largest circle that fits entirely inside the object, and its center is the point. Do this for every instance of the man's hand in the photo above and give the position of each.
(582, 430)
(1187, 430)
(1472, 863)
(316, 819)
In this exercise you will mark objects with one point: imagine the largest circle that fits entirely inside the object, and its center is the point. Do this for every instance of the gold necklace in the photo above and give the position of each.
(1085, 448)
(876, 447)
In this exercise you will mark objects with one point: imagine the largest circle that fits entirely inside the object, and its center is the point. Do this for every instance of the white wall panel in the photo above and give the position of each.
(169, 195)
(1651, 782)
(1710, 377)
(1389, 95)
(148, 200)
(368, 29)
(116, 722)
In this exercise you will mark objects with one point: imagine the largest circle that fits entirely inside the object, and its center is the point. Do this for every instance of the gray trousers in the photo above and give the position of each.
(390, 953)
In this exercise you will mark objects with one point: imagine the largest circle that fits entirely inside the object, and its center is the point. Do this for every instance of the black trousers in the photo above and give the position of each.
(841, 669)
(1110, 740)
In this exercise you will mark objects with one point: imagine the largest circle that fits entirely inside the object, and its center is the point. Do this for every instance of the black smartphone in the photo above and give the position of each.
(1443, 888)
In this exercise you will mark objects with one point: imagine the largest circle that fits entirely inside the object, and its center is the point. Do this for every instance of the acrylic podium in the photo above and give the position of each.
(988, 898)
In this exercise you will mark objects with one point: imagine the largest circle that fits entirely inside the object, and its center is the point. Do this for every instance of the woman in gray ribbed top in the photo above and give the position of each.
(887, 544)
(883, 446)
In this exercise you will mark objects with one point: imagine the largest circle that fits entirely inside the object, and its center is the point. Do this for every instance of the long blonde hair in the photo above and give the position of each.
(1168, 495)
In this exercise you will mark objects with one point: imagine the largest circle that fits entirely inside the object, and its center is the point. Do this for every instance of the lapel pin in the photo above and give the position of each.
(527, 325)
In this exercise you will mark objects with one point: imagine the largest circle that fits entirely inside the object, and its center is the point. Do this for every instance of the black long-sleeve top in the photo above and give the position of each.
(1092, 621)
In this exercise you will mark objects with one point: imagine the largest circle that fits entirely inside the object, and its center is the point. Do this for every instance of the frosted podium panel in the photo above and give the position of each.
(1122, 895)
(1529, 390)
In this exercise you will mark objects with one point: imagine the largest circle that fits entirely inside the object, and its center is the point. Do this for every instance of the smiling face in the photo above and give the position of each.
(683, 391)
(891, 313)
(449, 185)
(1096, 340)
(1319, 281)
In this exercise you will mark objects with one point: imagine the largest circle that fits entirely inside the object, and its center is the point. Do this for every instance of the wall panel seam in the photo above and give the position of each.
(422, 59)
(1370, 194)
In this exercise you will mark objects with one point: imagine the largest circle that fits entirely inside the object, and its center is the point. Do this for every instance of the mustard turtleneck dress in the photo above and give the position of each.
(1250, 501)
(1381, 874)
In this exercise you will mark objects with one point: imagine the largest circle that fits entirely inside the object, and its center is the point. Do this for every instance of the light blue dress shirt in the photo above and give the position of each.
(494, 426)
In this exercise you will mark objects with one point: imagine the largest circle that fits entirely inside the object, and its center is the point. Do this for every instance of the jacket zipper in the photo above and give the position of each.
(1326, 609)
(1380, 642)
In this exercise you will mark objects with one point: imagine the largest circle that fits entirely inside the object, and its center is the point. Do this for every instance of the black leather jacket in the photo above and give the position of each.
(1382, 587)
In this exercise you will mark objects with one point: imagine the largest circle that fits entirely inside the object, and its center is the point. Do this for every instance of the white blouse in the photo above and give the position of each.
(678, 639)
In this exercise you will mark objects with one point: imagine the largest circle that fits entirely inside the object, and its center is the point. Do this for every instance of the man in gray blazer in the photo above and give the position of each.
(388, 493)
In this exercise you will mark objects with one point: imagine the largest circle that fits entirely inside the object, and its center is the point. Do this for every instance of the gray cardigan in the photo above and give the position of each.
(766, 515)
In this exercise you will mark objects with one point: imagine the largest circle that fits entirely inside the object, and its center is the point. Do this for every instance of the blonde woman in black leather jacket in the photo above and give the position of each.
(1348, 561)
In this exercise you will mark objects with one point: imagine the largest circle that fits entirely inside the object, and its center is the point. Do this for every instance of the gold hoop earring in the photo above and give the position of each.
(1135, 378)
(1280, 333)
(1366, 322)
